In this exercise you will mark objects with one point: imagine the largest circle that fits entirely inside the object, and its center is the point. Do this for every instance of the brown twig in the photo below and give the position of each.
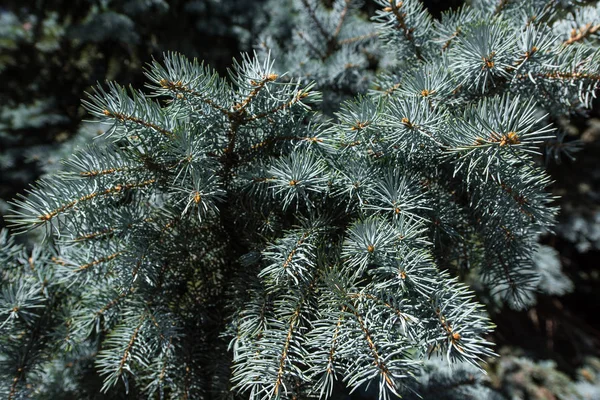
(130, 344)
(178, 87)
(98, 261)
(581, 33)
(286, 346)
(334, 339)
(408, 32)
(373, 348)
(124, 118)
(115, 189)
(313, 16)
(338, 28)
(359, 38)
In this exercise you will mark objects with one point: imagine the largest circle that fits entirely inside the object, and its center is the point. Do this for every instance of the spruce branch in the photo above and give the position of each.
(319, 245)
(581, 33)
(130, 118)
(311, 12)
(400, 17)
(386, 377)
(96, 262)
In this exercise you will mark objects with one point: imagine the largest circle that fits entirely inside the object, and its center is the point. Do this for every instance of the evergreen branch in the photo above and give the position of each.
(299, 96)
(578, 35)
(163, 370)
(114, 302)
(566, 76)
(299, 243)
(377, 361)
(124, 118)
(15, 381)
(156, 324)
(376, 299)
(34, 337)
(519, 199)
(533, 18)
(338, 28)
(173, 222)
(98, 261)
(127, 352)
(93, 235)
(453, 336)
(258, 86)
(271, 141)
(115, 189)
(138, 265)
(507, 274)
(109, 231)
(263, 179)
(236, 120)
(319, 25)
(291, 256)
(334, 339)
(312, 46)
(429, 159)
(288, 340)
(108, 171)
(179, 88)
(389, 91)
(400, 18)
(359, 38)
(449, 41)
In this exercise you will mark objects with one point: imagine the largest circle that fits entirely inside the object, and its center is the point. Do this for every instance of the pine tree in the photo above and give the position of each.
(226, 239)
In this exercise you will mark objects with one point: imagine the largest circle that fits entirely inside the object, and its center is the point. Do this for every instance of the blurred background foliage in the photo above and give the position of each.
(53, 51)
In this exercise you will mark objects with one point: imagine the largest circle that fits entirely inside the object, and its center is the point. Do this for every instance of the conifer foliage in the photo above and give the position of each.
(225, 239)
(330, 43)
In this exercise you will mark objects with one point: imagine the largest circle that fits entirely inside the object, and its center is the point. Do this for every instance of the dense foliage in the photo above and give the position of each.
(226, 237)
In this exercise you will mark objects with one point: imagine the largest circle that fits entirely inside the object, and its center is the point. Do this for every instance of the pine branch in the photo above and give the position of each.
(360, 38)
(340, 23)
(284, 353)
(98, 261)
(112, 190)
(401, 315)
(270, 141)
(129, 347)
(379, 363)
(94, 235)
(581, 33)
(318, 24)
(130, 118)
(558, 75)
(179, 89)
(449, 41)
(317, 242)
(108, 171)
(314, 49)
(114, 302)
(258, 86)
(334, 340)
(400, 18)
